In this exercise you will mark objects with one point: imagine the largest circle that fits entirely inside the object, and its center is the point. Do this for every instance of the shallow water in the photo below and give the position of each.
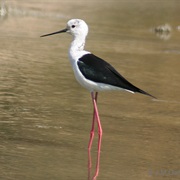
(45, 116)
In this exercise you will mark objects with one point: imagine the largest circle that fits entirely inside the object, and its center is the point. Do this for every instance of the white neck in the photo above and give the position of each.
(76, 49)
(77, 44)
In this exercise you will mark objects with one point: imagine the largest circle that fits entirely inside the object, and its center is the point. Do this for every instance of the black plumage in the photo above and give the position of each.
(98, 70)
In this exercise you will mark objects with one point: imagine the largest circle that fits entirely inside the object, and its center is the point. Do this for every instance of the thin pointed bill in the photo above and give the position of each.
(57, 32)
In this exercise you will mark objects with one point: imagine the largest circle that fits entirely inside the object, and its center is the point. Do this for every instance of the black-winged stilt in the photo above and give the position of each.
(92, 72)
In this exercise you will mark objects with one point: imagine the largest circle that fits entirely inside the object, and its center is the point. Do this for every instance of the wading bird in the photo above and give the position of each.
(93, 73)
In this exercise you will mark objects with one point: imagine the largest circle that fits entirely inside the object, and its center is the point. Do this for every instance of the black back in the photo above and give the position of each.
(98, 70)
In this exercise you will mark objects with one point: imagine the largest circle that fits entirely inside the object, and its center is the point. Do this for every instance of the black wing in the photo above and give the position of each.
(98, 70)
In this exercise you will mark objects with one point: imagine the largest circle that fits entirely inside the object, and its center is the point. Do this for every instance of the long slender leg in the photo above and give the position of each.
(96, 113)
(100, 136)
(91, 138)
(93, 121)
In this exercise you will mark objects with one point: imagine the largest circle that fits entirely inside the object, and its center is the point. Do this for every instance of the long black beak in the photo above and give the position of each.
(61, 31)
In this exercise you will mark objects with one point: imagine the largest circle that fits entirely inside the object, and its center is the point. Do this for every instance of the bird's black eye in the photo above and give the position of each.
(73, 26)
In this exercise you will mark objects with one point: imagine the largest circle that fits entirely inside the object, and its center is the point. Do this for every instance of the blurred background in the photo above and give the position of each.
(45, 115)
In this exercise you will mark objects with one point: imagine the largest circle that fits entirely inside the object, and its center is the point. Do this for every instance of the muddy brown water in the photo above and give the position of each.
(45, 115)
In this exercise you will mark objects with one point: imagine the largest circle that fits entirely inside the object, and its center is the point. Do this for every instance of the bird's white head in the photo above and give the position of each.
(75, 27)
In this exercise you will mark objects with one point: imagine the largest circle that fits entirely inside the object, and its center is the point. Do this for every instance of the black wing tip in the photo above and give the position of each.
(145, 93)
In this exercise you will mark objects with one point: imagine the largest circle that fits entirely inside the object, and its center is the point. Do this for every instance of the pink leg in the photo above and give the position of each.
(93, 122)
(99, 133)
(91, 139)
